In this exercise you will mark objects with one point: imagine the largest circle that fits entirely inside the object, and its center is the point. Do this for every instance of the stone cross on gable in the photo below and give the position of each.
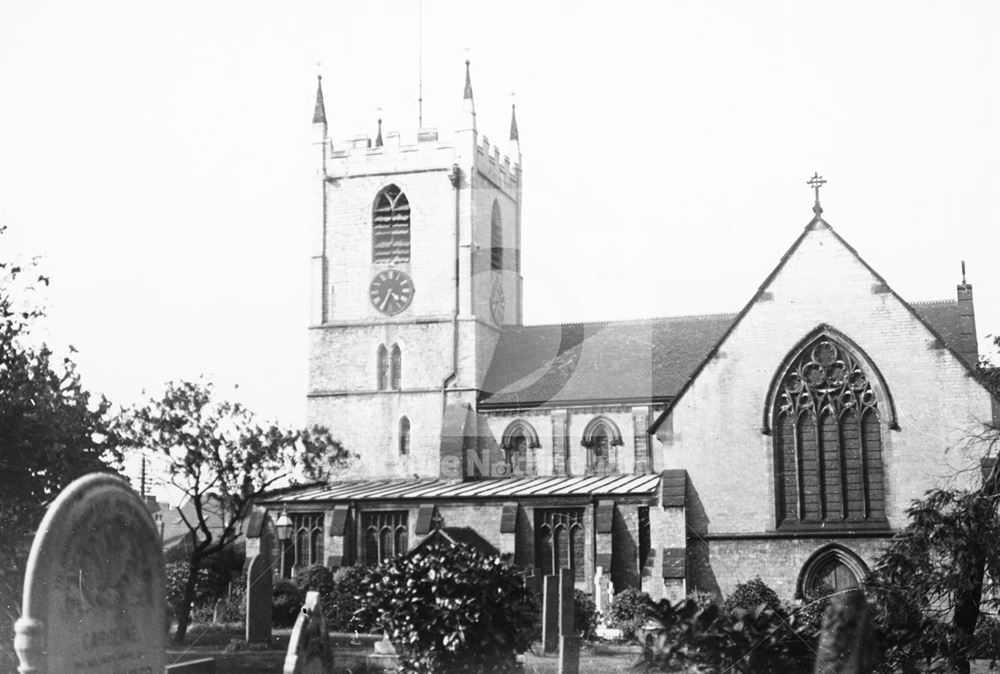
(816, 182)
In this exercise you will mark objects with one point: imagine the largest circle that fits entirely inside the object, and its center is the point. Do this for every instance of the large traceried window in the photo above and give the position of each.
(391, 226)
(496, 238)
(384, 535)
(305, 546)
(828, 440)
(559, 541)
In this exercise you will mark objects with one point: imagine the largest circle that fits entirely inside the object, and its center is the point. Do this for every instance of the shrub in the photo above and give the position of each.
(452, 609)
(286, 603)
(987, 638)
(628, 611)
(689, 637)
(233, 605)
(346, 601)
(751, 594)
(207, 589)
(584, 615)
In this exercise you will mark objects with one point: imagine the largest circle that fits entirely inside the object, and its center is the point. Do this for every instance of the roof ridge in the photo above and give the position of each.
(926, 302)
(621, 321)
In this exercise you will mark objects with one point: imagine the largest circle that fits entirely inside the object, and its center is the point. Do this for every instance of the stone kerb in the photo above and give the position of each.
(93, 589)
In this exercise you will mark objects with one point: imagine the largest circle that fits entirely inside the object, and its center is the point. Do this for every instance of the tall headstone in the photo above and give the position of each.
(569, 640)
(260, 578)
(94, 585)
(566, 604)
(309, 648)
(550, 613)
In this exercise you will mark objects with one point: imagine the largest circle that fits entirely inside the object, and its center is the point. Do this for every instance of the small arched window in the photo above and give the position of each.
(395, 368)
(519, 444)
(602, 440)
(382, 367)
(832, 568)
(404, 436)
(391, 226)
(828, 438)
(496, 238)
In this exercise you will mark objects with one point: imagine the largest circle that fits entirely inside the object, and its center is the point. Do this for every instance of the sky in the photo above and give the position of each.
(157, 157)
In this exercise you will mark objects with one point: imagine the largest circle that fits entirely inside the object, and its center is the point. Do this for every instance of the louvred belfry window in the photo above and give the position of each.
(391, 226)
(828, 441)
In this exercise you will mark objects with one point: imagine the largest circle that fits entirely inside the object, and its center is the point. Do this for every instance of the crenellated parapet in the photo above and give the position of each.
(358, 155)
(497, 168)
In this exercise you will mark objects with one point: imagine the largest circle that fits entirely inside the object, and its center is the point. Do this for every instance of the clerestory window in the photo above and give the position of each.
(391, 226)
(828, 440)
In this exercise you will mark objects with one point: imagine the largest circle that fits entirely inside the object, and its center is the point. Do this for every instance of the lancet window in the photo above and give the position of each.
(559, 541)
(384, 534)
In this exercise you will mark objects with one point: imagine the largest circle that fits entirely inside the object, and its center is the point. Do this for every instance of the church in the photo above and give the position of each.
(784, 440)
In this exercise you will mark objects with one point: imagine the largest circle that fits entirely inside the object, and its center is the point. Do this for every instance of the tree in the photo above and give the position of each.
(51, 430)
(931, 584)
(221, 459)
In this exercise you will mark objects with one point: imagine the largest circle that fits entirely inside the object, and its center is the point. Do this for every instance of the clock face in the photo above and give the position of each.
(391, 291)
(497, 304)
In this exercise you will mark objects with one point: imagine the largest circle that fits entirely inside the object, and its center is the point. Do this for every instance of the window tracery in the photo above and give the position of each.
(391, 226)
(559, 541)
(828, 440)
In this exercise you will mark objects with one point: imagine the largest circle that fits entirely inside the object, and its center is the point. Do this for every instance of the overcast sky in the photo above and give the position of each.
(157, 155)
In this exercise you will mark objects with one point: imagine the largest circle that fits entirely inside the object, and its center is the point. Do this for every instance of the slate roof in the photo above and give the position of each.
(581, 362)
(426, 489)
(647, 360)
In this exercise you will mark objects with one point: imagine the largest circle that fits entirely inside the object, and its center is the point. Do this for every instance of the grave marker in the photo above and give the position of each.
(309, 648)
(550, 613)
(94, 585)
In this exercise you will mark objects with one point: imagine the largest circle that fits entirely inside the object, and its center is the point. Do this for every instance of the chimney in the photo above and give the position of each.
(968, 344)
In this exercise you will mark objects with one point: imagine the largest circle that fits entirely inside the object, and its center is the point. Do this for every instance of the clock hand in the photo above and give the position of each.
(385, 301)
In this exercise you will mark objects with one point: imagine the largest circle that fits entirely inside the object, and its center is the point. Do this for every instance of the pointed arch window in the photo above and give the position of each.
(305, 547)
(382, 366)
(395, 368)
(602, 439)
(827, 416)
(384, 535)
(832, 568)
(404, 436)
(391, 226)
(496, 238)
(559, 541)
(519, 444)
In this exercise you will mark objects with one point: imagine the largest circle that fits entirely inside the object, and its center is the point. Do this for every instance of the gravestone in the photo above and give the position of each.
(569, 640)
(550, 613)
(93, 587)
(309, 648)
(260, 579)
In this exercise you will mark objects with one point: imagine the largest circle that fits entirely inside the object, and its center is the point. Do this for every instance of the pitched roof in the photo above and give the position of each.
(581, 362)
(426, 489)
(937, 311)
(645, 360)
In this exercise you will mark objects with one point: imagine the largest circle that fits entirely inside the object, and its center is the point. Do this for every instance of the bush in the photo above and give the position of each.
(750, 595)
(689, 637)
(452, 609)
(346, 601)
(209, 586)
(987, 638)
(628, 611)
(286, 603)
(584, 615)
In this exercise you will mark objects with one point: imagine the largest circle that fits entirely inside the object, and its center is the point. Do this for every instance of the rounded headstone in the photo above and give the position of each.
(94, 585)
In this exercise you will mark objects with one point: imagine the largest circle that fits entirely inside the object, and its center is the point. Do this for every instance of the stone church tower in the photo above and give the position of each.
(415, 269)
